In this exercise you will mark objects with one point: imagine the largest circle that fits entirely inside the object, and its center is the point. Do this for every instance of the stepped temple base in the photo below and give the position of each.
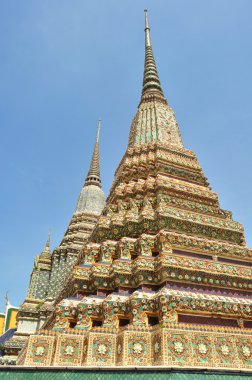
(174, 345)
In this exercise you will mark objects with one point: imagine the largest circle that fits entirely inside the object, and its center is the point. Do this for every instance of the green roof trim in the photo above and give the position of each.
(75, 374)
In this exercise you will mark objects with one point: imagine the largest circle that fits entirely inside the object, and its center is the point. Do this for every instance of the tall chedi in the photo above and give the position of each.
(165, 278)
(50, 271)
(89, 206)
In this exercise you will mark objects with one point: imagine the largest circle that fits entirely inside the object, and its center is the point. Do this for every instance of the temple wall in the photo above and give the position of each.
(171, 346)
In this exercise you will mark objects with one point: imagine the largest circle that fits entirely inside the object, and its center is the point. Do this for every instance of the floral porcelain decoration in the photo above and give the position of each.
(40, 350)
(202, 348)
(178, 347)
(225, 349)
(102, 349)
(137, 348)
(246, 351)
(69, 350)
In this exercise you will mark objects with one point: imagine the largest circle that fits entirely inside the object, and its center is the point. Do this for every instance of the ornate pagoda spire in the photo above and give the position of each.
(91, 198)
(154, 121)
(151, 82)
(89, 206)
(50, 271)
(93, 177)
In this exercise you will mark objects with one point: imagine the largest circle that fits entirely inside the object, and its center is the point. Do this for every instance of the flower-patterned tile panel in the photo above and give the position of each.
(244, 352)
(202, 350)
(141, 346)
(177, 349)
(69, 350)
(40, 350)
(101, 349)
(225, 353)
(138, 348)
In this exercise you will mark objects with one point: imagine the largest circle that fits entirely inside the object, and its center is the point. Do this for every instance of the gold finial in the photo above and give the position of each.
(93, 177)
(147, 29)
(151, 82)
(146, 19)
(48, 240)
(98, 130)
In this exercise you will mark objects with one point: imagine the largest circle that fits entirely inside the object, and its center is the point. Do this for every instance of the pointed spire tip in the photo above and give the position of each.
(146, 20)
(93, 177)
(48, 239)
(151, 82)
(98, 130)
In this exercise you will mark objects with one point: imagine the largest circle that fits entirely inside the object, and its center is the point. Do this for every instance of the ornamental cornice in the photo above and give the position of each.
(163, 303)
(176, 186)
(212, 267)
(153, 146)
(160, 154)
(149, 222)
(167, 266)
(126, 246)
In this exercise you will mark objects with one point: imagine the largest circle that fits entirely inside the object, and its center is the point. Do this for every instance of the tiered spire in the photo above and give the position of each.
(155, 120)
(91, 198)
(151, 82)
(93, 177)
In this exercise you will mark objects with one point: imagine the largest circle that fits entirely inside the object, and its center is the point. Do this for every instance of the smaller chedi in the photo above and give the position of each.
(8, 325)
(51, 270)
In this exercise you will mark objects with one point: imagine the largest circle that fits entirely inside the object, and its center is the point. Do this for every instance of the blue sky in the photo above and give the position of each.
(65, 63)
